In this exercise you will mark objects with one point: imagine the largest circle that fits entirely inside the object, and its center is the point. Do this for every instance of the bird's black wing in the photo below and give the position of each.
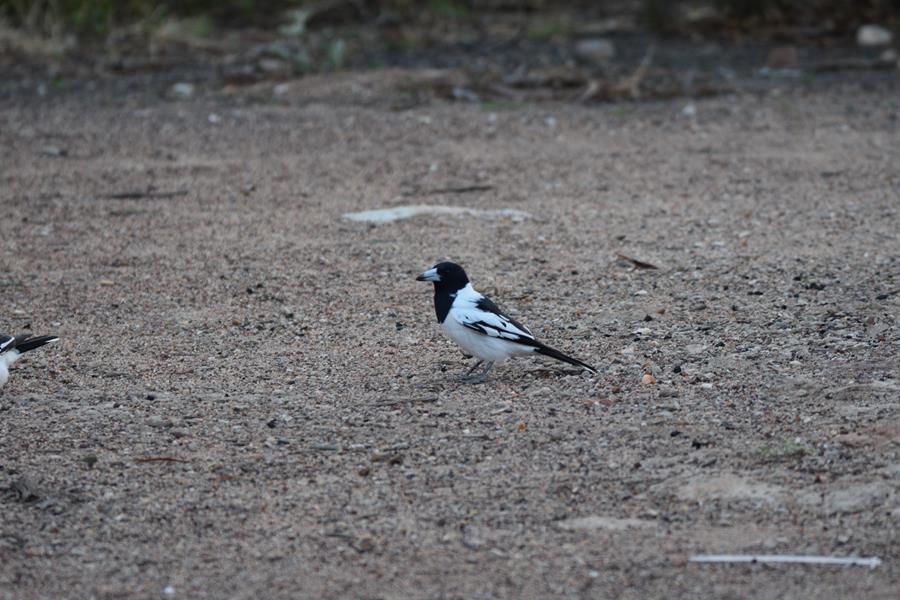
(25, 342)
(486, 318)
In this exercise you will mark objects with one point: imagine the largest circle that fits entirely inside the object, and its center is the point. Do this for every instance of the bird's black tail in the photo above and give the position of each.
(553, 353)
(24, 343)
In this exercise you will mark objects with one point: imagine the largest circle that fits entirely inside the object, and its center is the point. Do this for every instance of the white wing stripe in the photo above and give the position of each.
(488, 323)
(489, 330)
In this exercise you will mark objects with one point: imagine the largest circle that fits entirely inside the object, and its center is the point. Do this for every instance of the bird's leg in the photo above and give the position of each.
(482, 377)
(475, 366)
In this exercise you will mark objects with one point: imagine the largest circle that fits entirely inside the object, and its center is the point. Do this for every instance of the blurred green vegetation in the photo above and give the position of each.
(97, 18)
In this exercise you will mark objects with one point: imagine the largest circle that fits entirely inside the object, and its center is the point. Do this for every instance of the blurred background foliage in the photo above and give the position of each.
(94, 19)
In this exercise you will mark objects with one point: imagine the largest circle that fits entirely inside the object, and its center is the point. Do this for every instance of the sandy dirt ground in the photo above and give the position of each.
(252, 399)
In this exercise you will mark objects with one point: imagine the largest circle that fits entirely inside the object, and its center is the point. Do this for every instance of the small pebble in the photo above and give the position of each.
(182, 90)
(158, 421)
(53, 151)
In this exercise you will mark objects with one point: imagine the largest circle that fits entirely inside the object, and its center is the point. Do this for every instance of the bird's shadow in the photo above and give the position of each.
(456, 379)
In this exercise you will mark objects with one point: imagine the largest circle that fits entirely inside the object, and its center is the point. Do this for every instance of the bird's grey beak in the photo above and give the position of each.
(429, 275)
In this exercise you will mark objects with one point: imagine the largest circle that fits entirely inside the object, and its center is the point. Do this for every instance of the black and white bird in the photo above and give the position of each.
(474, 322)
(11, 348)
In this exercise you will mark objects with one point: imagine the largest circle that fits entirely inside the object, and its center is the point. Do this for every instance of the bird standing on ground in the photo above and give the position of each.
(11, 348)
(474, 322)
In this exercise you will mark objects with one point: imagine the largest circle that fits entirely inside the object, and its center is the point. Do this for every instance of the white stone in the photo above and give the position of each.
(183, 90)
(874, 35)
(595, 49)
(386, 215)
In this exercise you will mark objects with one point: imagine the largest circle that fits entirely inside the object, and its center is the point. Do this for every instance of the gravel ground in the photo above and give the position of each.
(251, 397)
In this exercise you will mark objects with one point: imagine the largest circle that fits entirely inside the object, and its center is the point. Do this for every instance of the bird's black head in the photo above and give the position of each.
(445, 276)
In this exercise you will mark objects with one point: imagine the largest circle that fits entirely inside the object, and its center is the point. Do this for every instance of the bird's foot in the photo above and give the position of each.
(480, 377)
(468, 374)
(475, 380)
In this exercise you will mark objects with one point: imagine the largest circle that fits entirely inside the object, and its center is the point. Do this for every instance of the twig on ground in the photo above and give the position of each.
(550, 371)
(412, 400)
(629, 87)
(463, 189)
(154, 459)
(887, 294)
(633, 83)
(637, 263)
(137, 195)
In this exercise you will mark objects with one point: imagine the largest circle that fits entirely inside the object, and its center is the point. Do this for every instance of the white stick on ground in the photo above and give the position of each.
(871, 562)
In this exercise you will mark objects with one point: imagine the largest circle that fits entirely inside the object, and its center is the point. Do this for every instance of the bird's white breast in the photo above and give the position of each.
(6, 359)
(9, 357)
(484, 347)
